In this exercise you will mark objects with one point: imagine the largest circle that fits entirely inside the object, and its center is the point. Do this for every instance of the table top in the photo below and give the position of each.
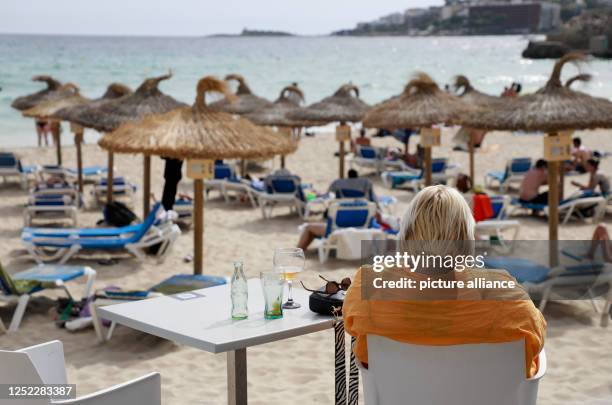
(202, 319)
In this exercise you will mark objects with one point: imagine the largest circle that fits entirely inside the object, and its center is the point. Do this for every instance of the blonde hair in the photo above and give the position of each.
(438, 213)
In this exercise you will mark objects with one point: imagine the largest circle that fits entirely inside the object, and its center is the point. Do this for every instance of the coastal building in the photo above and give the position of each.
(513, 18)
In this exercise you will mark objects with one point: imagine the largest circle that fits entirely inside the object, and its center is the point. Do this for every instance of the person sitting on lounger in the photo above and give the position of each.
(596, 178)
(314, 230)
(580, 154)
(530, 186)
(360, 185)
(363, 140)
(279, 174)
(440, 213)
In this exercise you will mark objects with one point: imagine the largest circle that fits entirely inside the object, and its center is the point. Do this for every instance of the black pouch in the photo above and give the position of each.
(118, 214)
(326, 304)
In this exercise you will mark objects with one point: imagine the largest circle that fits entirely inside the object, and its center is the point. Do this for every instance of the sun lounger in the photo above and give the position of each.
(122, 189)
(222, 173)
(236, 187)
(342, 215)
(10, 166)
(50, 207)
(570, 207)
(282, 192)
(44, 365)
(367, 157)
(475, 374)
(90, 173)
(18, 288)
(50, 245)
(498, 226)
(539, 279)
(177, 284)
(415, 177)
(513, 173)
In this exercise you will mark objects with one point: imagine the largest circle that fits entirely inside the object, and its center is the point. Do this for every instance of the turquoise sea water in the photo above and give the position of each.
(379, 66)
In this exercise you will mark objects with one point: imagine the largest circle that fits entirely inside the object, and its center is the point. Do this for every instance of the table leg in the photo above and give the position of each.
(237, 377)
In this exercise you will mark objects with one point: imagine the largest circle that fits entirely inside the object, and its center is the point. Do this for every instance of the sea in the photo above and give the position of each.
(379, 66)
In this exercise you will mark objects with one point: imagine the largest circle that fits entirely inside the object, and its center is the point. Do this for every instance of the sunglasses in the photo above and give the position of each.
(331, 287)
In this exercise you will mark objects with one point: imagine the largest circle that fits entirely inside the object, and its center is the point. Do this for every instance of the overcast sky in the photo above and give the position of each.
(191, 17)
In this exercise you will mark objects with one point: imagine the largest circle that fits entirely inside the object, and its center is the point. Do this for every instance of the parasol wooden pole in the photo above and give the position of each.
(198, 220)
(561, 181)
(55, 133)
(109, 177)
(78, 140)
(341, 155)
(427, 165)
(146, 188)
(282, 161)
(243, 167)
(472, 163)
(553, 209)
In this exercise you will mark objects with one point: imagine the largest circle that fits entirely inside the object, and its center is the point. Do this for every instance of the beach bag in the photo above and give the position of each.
(482, 207)
(118, 214)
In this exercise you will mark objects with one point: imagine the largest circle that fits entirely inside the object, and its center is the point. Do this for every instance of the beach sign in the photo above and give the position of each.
(343, 133)
(76, 128)
(430, 137)
(557, 148)
(200, 169)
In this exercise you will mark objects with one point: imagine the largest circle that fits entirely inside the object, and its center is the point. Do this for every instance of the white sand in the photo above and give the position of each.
(298, 370)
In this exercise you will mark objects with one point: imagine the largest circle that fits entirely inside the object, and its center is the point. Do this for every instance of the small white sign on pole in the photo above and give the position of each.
(200, 169)
(557, 148)
(430, 137)
(343, 133)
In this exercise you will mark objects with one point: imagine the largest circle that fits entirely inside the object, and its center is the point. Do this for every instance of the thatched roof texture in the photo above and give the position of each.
(288, 101)
(246, 102)
(146, 100)
(198, 132)
(552, 108)
(76, 112)
(343, 106)
(29, 101)
(421, 105)
(67, 96)
(472, 96)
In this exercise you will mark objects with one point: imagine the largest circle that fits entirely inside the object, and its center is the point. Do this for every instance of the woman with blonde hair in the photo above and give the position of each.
(439, 216)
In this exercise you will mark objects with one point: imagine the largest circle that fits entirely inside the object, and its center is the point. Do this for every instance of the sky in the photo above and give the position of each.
(191, 17)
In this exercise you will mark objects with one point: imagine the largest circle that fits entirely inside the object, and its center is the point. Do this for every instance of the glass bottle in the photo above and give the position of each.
(240, 292)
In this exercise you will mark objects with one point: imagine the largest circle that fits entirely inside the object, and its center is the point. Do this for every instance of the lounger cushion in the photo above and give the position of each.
(523, 270)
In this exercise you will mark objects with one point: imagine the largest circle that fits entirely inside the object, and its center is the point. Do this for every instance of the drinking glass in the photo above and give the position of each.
(289, 262)
(272, 284)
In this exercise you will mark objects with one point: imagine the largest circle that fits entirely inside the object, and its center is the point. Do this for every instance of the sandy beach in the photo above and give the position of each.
(298, 370)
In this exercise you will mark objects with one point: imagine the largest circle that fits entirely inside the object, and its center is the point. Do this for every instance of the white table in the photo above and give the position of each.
(201, 319)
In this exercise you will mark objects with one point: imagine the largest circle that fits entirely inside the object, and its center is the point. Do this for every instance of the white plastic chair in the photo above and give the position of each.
(44, 364)
(474, 374)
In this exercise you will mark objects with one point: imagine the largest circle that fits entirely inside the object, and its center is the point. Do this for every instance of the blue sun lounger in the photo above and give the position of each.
(415, 178)
(282, 191)
(39, 243)
(10, 166)
(571, 206)
(20, 286)
(514, 172)
(540, 279)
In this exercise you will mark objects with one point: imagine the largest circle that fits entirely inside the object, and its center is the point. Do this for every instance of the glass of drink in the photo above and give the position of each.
(289, 262)
(272, 284)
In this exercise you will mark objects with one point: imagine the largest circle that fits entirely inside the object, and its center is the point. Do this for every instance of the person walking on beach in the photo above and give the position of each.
(42, 131)
(440, 213)
(172, 176)
(530, 186)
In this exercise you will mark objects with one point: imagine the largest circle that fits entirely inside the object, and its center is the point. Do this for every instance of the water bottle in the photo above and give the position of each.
(240, 292)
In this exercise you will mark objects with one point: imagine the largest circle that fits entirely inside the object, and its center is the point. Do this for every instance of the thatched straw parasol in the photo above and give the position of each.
(198, 132)
(275, 115)
(421, 105)
(108, 116)
(343, 106)
(246, 102)
(477, 99)
(29, 101)
(71, 113)
(65, 95)
(583, 77)
(551, 109)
